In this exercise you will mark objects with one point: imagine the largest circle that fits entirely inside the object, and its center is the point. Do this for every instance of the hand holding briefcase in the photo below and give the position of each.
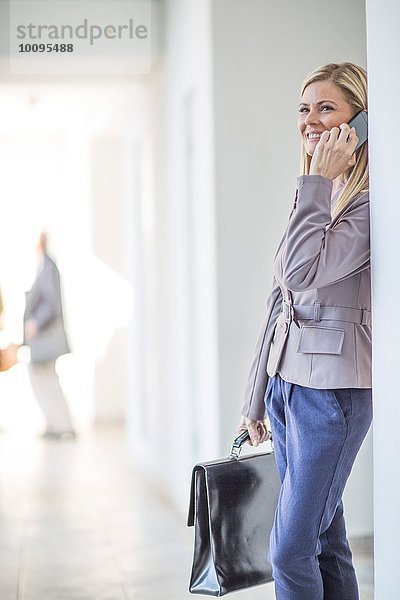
(232, 505)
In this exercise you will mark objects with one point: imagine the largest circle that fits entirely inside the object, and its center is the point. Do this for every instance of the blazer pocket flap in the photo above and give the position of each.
(320, 340)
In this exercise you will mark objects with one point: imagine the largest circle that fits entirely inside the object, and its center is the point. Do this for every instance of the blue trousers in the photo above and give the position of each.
(316, 434)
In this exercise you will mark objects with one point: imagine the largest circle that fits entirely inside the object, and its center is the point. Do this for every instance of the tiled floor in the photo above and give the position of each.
(77, 524)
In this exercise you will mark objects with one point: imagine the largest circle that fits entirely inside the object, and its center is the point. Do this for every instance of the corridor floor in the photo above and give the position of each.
(77, 523)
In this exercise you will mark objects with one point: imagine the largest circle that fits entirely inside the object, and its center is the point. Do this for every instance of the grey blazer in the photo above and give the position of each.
(317, 331)
(44, 304)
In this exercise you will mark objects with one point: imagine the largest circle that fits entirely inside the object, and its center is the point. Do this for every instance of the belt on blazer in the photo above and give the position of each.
(318, 312)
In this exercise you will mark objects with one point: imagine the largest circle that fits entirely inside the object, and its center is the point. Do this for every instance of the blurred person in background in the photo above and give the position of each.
(44, 333)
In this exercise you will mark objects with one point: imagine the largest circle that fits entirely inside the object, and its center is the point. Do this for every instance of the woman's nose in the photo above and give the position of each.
(312, 117)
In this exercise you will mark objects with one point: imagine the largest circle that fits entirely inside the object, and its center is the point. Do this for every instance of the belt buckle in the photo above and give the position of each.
(364, 316)
(289, 314)
(288, 310)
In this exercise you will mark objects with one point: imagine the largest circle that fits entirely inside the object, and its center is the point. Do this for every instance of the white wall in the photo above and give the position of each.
(107, 166)
(261, 52)
(176, 419)
(384, 87)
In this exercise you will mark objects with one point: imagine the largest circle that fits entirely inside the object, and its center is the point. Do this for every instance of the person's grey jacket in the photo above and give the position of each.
(43, 303)
(317, 331)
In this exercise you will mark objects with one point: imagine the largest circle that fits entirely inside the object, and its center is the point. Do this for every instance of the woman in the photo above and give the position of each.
(312, 368)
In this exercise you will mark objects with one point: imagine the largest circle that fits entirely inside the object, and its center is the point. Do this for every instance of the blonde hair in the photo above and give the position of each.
(352, 81)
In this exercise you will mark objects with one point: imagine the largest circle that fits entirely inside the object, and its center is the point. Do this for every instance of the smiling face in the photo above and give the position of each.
(322, 106)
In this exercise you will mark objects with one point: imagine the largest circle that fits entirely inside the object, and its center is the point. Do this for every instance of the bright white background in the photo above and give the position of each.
(48, 177)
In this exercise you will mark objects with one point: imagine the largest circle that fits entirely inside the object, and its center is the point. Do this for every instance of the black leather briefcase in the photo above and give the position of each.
(232, 505)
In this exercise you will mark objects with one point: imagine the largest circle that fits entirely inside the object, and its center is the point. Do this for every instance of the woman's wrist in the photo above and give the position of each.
(321, 173)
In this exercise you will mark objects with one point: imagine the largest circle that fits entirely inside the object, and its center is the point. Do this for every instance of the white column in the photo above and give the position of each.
(383, 26)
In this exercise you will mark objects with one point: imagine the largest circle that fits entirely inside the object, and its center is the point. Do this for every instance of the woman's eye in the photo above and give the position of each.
(326, 107)
(303, 110)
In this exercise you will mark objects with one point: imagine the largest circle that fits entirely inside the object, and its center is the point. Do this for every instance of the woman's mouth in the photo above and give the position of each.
(313, 136)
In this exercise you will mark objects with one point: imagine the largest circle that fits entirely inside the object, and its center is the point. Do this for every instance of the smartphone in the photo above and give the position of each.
(360, 123)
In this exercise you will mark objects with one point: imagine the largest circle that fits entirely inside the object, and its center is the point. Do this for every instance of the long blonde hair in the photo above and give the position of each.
(352, 80)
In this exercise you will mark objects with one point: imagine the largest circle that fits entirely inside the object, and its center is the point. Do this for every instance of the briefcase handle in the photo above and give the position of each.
(238, 443)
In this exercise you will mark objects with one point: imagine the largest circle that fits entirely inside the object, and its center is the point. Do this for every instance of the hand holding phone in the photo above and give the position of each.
(331, 164)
